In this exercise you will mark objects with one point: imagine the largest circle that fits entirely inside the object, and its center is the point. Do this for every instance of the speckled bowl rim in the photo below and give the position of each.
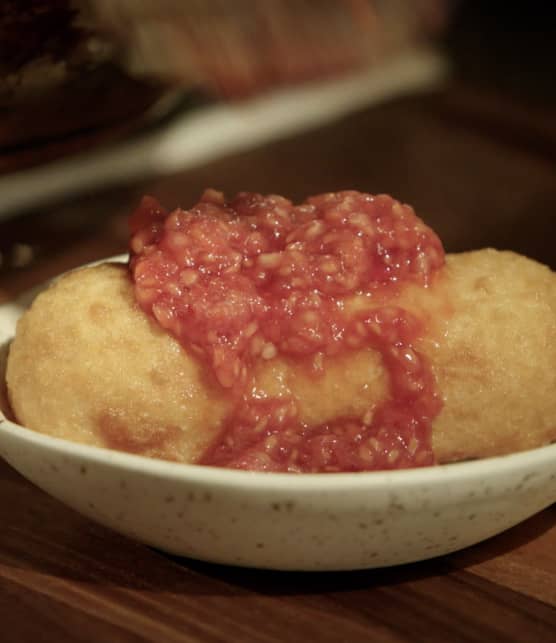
(255, 480)
(217, 476)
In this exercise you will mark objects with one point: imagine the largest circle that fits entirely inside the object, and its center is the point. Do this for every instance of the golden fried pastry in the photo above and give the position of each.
(345, 343)
(89, 366)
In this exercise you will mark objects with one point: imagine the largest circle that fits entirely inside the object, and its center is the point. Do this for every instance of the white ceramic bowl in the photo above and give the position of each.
(284, 521)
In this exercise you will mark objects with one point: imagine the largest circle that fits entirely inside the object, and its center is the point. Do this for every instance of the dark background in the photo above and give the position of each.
(506, 46)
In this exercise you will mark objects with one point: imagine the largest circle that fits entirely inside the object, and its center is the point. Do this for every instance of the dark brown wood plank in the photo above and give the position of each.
(523, 558)
(31, 617)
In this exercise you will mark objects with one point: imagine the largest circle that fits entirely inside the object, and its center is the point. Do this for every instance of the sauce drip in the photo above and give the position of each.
(246, 280)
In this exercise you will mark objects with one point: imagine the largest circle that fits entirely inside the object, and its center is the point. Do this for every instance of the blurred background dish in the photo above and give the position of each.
(61, 89)
(117, 79)
(241, 48)
(186, 132)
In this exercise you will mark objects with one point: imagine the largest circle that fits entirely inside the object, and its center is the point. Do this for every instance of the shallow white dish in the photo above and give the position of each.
(284, 521)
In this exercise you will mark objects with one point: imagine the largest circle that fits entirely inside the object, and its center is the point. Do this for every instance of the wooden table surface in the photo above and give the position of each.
(478, 168)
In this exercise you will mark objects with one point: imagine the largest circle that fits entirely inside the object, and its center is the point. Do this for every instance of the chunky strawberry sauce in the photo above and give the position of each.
(241, 281)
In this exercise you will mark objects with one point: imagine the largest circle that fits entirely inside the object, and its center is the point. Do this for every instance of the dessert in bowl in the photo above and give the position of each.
(314, 349)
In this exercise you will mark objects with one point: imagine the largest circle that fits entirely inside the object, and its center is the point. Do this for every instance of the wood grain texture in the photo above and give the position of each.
(64, 578)
(523, 559)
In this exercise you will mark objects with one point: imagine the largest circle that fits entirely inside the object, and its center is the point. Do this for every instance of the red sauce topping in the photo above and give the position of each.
(242, 281)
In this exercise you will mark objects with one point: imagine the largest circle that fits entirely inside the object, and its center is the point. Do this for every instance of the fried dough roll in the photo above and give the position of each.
(89, 366)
